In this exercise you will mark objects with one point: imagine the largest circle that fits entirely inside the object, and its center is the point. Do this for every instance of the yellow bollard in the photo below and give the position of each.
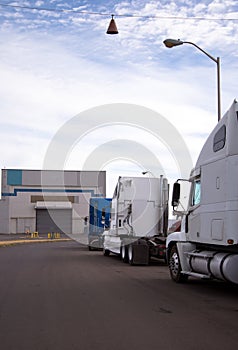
(34, 234)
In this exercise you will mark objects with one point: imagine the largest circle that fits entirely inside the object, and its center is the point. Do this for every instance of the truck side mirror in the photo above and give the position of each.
(176, 194)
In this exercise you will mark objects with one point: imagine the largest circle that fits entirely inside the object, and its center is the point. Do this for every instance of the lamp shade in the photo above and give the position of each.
(112, 28)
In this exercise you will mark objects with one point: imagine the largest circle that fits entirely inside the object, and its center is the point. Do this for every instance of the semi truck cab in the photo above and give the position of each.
(207, 247)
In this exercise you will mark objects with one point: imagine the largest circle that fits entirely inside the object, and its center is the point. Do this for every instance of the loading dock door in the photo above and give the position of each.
(54, 220)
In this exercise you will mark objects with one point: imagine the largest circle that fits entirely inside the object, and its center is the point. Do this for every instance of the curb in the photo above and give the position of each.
(12, 242)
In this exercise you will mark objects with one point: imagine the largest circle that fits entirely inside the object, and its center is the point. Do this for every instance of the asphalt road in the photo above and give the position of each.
(61, 296)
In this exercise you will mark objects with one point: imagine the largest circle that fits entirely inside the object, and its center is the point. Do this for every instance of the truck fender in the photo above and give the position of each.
(172, 240)
(183, 247)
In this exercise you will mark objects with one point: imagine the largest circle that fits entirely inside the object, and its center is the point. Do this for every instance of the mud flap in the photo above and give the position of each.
(140, 251)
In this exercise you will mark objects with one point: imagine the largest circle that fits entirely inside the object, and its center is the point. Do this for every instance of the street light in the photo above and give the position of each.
(172, 42)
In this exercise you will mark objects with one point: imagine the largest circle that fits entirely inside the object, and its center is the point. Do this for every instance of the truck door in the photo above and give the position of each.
(193, 220)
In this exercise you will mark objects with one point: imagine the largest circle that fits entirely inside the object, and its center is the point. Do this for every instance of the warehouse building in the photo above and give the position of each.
(48, 200)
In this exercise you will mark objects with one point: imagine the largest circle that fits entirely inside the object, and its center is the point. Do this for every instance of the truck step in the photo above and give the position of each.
(206, 255)
(195, 274)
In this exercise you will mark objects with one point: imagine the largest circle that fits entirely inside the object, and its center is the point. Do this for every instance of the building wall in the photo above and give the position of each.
(23, 191)
(4, 215)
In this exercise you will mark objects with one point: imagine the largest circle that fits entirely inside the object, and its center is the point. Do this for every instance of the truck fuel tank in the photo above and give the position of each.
(215, 264)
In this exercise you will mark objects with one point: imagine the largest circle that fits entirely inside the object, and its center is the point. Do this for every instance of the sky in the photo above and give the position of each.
(61, 71)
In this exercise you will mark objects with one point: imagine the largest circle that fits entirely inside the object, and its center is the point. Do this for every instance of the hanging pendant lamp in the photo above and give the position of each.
(112, 28)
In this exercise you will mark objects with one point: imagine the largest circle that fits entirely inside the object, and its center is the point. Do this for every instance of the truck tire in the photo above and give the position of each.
(130, 254)
(124, 253)
(106, 252)
(175, 267)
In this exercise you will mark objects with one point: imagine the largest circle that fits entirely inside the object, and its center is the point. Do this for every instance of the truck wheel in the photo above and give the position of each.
(124, 254)
(89, 248)
(175, 267)
(130, 254)
(106, 252)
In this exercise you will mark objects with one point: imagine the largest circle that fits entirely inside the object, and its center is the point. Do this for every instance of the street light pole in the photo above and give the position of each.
(172, 42)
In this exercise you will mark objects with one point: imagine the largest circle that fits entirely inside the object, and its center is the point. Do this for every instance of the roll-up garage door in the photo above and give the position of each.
(54, 220)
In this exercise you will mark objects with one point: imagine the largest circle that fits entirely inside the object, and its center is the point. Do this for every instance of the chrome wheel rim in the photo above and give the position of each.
(174, 264)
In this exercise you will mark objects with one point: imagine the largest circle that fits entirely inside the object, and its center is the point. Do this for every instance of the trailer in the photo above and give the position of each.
(99, 221)
(207, 244)
(139, 220)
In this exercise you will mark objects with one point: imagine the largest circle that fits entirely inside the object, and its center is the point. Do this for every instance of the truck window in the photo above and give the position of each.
(196, 192)
(219, 139)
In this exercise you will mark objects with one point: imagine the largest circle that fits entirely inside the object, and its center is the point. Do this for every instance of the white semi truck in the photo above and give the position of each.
(139, 220)
(207, 246)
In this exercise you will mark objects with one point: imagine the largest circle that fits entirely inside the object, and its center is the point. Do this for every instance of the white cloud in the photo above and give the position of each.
(217, 7)
(39, 3)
